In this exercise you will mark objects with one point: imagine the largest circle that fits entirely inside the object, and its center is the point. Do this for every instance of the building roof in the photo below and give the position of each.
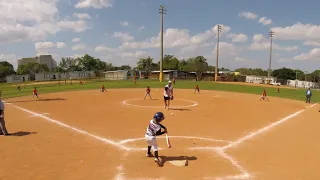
(163, 71)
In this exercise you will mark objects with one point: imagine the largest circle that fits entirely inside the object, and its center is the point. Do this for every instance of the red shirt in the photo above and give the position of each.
(35, 91)
(148, 90)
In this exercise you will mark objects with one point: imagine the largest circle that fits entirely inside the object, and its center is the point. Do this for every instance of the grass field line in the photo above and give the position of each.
(264, 129)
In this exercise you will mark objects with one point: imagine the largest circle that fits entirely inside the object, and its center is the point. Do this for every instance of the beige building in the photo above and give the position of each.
(42, 59)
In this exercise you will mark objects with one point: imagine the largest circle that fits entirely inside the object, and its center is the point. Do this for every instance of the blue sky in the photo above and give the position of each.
(122, 31)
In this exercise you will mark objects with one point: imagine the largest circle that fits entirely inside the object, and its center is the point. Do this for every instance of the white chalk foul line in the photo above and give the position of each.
(178, 137)
(125, 102)
(262, 130)
(107, 141)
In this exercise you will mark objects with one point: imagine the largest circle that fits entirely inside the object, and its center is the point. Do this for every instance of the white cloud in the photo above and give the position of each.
(82, 15)
(248, 15)
(76, 26)
(103, 48)
(79, 47)
(76, 39)
(265, 21)
(226, 49)
(261, 43)
(258, 38)
(124, 23)
(123, 36)
(298, 31)
(61, 45)
(32, 20)
(141, 27)
(313, 54)
(135, 55)
(238, 37)
(44, 45)
(11, 58)
(49, 45)
(98, 4)
(175, 38)
(239, 59)
(311, 43)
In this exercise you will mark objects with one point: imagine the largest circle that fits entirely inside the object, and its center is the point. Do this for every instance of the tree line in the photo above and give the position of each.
(196, 64)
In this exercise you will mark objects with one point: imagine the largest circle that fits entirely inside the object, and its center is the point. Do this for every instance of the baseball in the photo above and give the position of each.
(171, 114)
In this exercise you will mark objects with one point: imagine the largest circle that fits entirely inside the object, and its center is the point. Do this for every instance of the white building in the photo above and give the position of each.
(302, 84)
(116, 75)
(42, 59)
(50, 76)
(81, 74)
(62, 76)
(259, 79)
(17, 78)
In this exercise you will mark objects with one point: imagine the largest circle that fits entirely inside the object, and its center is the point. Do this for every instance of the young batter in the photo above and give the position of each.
(153, 130)
(148, 93)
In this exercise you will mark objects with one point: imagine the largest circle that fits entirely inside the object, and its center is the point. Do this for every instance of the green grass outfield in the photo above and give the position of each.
(9, 90)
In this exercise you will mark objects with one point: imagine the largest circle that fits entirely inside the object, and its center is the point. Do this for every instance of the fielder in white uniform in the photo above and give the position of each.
(153, 130)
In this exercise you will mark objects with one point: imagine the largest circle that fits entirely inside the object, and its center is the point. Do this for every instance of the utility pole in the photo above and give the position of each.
(271, 34)
(162, 10)
(217, 61)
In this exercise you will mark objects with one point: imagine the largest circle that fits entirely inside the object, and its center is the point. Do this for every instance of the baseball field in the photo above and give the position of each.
(76, 132)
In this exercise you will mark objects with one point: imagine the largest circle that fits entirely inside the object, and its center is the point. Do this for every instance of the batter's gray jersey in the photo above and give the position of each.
(1, 105)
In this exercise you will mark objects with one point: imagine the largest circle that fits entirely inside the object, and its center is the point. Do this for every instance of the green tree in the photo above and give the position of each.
(32, 68)
(170, 62)
(6, 69)
(284, 73)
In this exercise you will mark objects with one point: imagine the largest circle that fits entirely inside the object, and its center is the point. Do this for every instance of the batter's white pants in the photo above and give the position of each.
(152, 141)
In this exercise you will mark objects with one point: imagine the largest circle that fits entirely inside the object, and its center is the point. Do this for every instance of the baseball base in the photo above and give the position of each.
(179, 163)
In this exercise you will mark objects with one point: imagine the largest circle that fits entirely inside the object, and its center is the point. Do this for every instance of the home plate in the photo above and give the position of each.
(179, 163)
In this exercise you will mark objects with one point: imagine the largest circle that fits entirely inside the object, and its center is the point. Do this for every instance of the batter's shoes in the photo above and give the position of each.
(158, 161)
(149, 155)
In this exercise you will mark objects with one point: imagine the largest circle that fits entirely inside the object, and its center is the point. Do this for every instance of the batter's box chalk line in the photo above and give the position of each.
(126, 102)
(218, 150)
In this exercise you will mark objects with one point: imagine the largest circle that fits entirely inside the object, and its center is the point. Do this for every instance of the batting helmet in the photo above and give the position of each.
(158, 116)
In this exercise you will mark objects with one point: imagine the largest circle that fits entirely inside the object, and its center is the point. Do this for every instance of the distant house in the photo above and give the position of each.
(50, 76)
(17, 78)
(81, 74)
(169, 74)
(260, 79)
(116, 75)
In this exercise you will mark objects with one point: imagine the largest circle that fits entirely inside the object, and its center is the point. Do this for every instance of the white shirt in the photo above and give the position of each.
(153, 128)
(308, 92)
(1, 105)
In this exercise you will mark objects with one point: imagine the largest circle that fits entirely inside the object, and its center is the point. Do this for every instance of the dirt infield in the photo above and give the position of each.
(93, 135)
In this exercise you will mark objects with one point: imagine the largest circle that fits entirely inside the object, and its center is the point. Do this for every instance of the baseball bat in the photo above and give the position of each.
(168, 141)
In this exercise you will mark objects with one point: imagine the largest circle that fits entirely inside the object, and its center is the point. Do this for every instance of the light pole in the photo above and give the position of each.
(271, 34)
(162, 10)
(217, 61)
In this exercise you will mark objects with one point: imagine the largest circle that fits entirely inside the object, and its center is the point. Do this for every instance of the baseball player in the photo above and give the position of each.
(170, 86)
(103, 89)
(166, 97)
(148, 93)
(196, 89)
(264, 95)
(2, 122)
(153, 130)
(35, 92)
